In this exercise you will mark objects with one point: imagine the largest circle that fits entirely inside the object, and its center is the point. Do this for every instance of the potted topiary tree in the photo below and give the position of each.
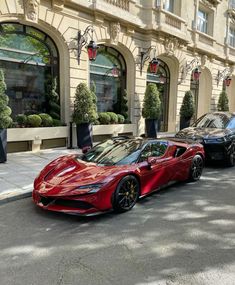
(187, 110)
(121, 106)
(5, 119)
(151, 110)
(223, 102)
(84, 114)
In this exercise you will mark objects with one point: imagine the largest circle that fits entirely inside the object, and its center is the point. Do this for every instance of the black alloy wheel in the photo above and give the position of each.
(230, 161)
(196, 168)
(126, 194)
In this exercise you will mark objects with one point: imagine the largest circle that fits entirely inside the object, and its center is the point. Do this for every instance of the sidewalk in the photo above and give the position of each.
(18, 173)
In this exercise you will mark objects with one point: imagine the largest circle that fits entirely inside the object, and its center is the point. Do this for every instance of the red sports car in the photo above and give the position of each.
(115, 173)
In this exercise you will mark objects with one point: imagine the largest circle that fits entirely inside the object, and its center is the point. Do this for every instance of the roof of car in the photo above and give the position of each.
(172, 140)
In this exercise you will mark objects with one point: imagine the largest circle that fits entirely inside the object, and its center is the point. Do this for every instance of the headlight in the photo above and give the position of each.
(91, 188)
(215, 140)
(221, 139)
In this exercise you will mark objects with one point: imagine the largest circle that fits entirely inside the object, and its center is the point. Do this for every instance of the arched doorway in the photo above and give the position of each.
(162, 80)
(30, 62)
(108, 72)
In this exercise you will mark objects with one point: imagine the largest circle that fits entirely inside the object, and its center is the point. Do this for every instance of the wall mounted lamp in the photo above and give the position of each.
(196, 74)
(193, 65)
(227, 80)
(224, 75)
(154, 62)
(82, 40)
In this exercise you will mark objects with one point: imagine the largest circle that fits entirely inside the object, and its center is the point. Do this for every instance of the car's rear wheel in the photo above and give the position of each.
(196, 168)
(231, 158)
(126, 194)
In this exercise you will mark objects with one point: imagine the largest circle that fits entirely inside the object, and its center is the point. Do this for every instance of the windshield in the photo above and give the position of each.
(115, 152)
(217, 120)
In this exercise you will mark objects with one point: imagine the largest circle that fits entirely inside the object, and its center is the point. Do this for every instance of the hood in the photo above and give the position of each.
(67, 175)
(195, 132)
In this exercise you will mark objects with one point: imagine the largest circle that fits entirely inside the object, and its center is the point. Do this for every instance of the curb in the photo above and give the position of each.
(15, 198)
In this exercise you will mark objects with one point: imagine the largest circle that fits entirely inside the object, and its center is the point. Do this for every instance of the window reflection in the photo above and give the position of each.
(29, 59)
(109, 84)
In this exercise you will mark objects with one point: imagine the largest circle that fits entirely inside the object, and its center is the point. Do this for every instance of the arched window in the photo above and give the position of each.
(108, 72)
(29, 59)
(162, 80)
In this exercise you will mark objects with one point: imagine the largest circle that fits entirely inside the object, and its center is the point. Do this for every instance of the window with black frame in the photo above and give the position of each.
(29, 59)
(108, 72)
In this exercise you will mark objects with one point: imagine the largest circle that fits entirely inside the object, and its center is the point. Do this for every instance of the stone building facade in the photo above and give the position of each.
(181, 34)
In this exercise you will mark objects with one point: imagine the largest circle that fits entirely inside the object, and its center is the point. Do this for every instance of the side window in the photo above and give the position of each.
(146, 152)
(231, 124)
(169, 5)
(232, 36)
(202, 24)
(156, 149)
(180, 151)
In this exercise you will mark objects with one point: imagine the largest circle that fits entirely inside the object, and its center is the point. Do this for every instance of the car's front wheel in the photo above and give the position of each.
(196, 168)
(126, 194)
(231, 158)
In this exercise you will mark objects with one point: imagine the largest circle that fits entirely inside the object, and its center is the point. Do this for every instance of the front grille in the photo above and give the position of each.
(216, 152)
(66, 203)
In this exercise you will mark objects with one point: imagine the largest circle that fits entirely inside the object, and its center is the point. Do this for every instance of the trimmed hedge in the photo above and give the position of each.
(104, 118)
(47, 120)
(21, 120)
(34, 121)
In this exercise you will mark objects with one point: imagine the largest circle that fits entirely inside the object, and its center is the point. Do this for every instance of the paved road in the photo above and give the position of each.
(180, 236)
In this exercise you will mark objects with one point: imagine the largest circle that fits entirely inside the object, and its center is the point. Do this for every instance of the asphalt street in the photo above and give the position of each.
(182, 235)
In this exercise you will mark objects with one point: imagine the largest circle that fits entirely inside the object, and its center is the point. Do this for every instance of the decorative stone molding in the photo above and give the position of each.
(211, 3)
(58, 4)
(171, 45)
(115, 29)
(31, 10)
(204, 60)
(231, 14)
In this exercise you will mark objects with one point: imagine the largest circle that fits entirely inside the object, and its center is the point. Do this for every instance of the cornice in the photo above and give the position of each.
(211, 3)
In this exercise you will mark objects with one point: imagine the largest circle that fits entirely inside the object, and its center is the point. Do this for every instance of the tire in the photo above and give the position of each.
(196, 168)
(126, 194)
(230, 161)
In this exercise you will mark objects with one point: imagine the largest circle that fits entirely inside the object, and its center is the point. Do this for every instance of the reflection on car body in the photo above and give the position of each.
(115, 173)
(216, 131)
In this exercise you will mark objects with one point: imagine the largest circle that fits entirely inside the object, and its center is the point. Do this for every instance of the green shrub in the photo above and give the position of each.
(54, 110)
(113, 117)
(52, 104)
(121, 119)
(121, 106)
(96, 122)
(187, 108)
(84, 106)
(5, 110)
(104, 118)
(223, 102)
(152, 102)
(21, 120)
(34, 121)
(47, 120)
(57, 123)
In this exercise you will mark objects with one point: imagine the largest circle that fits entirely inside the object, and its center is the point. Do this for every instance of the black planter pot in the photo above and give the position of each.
(184, 123)
(151, 128)
(3, 145)
(84, 135)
